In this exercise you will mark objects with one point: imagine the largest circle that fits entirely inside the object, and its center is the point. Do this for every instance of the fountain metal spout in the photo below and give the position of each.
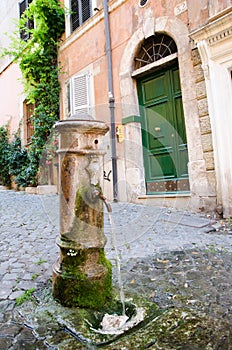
(97, 193)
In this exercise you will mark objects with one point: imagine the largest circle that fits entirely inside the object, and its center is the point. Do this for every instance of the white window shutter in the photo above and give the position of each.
(80, 94)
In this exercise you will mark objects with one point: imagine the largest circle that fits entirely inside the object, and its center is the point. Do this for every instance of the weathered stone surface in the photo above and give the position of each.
(209, 160)
(6, 288)
(200, 89)
(15, 295)
(198, 73)
(31, 190)
(196, 57)
(212, 179)
(10, 277)
(47, 189)
(207, 142)
(205, 125)
(203, 107)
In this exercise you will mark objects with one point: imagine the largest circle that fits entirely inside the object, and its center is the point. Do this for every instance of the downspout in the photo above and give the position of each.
(111, 100)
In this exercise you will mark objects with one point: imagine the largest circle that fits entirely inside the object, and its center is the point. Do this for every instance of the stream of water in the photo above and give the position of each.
(118, 262)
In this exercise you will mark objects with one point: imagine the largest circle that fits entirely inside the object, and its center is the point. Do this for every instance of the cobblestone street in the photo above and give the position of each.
(175, 259)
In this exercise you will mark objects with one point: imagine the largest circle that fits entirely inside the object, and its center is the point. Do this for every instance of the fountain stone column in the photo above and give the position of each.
(82, 276)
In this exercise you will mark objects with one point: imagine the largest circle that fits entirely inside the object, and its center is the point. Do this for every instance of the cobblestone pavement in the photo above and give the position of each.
(173, 258)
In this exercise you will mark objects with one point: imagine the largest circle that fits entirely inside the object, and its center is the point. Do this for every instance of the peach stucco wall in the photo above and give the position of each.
(10, 97)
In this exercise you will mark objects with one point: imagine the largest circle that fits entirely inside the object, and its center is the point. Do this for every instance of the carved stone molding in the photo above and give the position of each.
(203, 51)
(215, 31)
(226, 33)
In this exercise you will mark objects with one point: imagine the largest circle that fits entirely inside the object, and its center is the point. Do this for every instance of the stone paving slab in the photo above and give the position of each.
(166, 255)
(188, 220)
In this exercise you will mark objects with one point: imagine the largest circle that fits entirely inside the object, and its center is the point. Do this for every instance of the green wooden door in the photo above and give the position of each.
(163, 133)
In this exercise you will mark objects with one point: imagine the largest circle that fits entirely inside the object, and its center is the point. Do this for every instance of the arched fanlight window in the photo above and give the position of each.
(142, 2)
(155, 48)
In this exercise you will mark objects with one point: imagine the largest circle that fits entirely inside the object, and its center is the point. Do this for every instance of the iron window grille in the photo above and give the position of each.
(142, 2)
(155, 48)
(81, 12)
(23, 6)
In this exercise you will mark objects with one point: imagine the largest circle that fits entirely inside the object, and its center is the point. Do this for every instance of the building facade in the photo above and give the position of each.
(171, 77)
(11, 89)
(159, 73)
(15, 113)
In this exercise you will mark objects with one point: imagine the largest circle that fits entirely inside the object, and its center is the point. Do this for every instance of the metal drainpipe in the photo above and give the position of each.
(111, 100)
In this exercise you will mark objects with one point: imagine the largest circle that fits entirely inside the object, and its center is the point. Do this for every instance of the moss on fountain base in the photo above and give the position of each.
(85, 285)
(83, 292)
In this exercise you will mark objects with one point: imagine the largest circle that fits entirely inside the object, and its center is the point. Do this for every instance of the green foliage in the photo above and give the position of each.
(26, 296)
(18, 161)
(37, 58)
(14, 160)
(40, 261)
(4, 152)
(38, 55)
(33, 277)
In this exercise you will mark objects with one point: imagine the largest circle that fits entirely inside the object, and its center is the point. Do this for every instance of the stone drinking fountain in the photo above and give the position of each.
(82, 276)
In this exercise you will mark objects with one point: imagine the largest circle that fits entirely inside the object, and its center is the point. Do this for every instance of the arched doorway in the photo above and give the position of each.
(162, 118)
